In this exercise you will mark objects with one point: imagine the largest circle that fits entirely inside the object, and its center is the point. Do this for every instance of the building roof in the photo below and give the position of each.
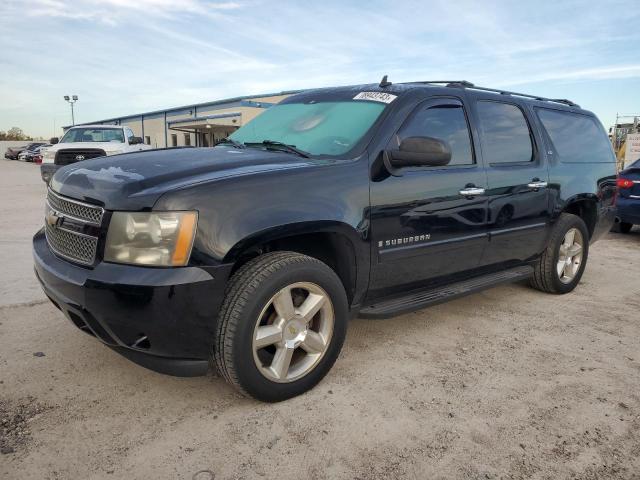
(193, 105)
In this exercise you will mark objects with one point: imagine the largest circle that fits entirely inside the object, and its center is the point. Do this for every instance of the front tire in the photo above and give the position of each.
(560, 267)
(281, 326)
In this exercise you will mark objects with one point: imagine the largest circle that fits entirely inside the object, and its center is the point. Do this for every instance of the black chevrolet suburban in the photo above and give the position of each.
(370, 200)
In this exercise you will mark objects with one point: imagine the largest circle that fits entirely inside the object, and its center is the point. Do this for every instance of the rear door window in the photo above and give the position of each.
(576, 138)
(504, 133)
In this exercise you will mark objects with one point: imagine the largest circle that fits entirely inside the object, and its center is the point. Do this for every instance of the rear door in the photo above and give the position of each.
(517, 174)
(429, 223)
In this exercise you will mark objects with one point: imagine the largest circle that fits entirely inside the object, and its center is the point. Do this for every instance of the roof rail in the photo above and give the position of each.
(466, 84)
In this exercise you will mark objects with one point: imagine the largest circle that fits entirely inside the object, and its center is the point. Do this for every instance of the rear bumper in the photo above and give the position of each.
(47, 170)
(629, 210)
(161, 318)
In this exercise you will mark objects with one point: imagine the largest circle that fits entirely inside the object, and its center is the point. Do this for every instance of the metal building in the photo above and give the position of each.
(202, 124)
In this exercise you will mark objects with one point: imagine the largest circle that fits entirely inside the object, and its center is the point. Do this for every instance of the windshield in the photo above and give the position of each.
(323, 128)
(93, 135)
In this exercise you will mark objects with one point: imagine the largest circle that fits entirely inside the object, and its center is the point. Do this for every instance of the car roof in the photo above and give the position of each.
(442, 88)
(96, 126)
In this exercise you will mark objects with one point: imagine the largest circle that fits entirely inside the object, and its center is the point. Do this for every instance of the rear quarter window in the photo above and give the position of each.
(576, 138)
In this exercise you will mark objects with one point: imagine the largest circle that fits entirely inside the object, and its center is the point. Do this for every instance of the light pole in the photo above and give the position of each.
(73, 99)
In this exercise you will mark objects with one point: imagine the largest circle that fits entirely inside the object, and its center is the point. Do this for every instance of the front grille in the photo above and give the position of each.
(71, 245)
(77, 210)
(68, 225)
(73, 155)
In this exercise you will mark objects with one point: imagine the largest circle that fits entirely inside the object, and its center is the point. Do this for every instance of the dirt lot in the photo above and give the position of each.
(509, 383)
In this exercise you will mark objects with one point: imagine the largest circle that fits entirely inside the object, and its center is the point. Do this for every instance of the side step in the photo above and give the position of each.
(417, 300)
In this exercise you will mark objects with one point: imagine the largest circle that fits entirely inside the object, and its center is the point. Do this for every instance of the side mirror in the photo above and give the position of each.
(420, 152)
(54, 140)
(135, 140)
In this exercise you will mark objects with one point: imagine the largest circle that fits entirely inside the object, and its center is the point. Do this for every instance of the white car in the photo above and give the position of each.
(88, 141)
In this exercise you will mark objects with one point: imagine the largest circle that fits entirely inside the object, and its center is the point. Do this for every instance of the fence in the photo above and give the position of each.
(4, 144)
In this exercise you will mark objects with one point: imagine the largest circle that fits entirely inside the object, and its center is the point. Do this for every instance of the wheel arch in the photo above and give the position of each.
(584, 206)
(334, 243)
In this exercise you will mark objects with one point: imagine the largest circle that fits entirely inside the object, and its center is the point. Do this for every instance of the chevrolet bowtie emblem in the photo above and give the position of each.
(53, 219)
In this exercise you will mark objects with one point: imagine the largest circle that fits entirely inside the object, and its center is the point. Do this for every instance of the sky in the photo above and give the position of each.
(130, 56)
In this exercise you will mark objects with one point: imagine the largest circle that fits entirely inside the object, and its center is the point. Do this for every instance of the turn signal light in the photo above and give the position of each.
(624, 183)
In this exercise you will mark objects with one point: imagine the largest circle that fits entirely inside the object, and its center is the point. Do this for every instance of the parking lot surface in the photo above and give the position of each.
(508, 383)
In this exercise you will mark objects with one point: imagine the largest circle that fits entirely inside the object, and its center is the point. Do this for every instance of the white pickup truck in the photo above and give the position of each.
(88, 141)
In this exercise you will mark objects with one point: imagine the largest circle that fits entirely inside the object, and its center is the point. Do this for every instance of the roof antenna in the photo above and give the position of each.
(384, 82)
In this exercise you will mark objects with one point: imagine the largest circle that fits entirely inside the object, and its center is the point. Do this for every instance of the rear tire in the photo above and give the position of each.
(625, 227)
(296, 299)
(560, 267)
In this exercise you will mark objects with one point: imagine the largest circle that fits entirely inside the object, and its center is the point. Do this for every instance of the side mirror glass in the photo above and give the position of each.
(420, 152)
(54, 140)
(135, 140)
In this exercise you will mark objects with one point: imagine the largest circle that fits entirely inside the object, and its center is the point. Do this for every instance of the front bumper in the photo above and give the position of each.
(161, 318)
(47, 170)
(629, 210)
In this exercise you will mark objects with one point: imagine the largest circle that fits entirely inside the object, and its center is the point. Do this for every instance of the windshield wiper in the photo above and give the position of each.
(282, 146)
(231, 141)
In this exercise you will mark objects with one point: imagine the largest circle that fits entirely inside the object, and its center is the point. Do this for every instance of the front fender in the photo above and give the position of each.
(353, 236)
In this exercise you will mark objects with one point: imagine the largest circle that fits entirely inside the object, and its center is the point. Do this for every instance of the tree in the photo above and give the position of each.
(14, 133)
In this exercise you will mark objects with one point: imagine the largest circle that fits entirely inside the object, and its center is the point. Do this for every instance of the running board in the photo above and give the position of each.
(417, 300)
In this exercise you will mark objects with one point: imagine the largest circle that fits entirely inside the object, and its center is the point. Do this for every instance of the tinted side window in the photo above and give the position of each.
(444, 122)
(575, 137)
(504, 133)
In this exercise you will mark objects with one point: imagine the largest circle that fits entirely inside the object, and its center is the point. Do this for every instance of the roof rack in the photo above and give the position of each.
(466, 84)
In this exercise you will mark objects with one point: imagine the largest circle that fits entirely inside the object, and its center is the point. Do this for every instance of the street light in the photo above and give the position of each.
(73, 99)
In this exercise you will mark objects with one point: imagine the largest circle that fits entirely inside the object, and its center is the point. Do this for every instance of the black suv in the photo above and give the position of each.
(369, 200)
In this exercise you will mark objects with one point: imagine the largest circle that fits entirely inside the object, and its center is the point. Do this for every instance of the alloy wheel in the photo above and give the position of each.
(293, 332)
(570, 255)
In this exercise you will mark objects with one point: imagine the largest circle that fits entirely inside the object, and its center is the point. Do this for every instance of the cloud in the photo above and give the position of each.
(128, 56)
(113, 12)
(605, 72)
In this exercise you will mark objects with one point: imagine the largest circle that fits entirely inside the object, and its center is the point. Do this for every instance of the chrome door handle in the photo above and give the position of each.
(537, 184)
(471, 191)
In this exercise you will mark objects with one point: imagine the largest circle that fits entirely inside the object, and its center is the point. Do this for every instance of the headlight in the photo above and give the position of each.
(48, 155)
(161, 239)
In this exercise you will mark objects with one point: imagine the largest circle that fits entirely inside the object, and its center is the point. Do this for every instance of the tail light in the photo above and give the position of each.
(624, 183)
(37, 159)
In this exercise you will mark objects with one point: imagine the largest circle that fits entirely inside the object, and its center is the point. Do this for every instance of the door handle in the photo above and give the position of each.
(471, 191)
(536, 184)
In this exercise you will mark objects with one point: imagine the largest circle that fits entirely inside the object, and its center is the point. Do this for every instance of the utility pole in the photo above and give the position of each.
(73, 99)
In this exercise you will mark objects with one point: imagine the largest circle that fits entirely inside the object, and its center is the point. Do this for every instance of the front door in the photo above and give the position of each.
(429, 223)
(517, 176)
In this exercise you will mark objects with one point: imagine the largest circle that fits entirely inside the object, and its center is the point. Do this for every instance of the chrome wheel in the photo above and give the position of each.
(570, 255)
(293, 332)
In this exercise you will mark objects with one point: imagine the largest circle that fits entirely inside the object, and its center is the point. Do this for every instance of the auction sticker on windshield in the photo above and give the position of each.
(376, 97)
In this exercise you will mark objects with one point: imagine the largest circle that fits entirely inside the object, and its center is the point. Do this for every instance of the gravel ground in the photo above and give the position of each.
(508, 383)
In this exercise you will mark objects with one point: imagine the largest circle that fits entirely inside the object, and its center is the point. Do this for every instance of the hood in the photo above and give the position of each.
(135, 181)
(108, 147)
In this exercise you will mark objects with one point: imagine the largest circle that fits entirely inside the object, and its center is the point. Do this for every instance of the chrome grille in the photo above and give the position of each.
(65, 221)
(74, 209)
(71, 245)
